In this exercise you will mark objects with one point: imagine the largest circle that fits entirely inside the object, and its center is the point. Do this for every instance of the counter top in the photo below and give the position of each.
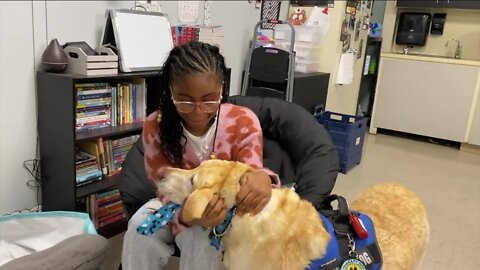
(431, 58)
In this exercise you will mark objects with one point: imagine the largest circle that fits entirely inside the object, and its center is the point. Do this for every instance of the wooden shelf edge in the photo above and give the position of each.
(97, 186)
(108, 131)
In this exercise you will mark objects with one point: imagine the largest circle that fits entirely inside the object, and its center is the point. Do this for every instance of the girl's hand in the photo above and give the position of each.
(255, 192)
(214, 214)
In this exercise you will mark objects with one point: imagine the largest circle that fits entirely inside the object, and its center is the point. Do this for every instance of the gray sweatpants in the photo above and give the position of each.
(152, 252)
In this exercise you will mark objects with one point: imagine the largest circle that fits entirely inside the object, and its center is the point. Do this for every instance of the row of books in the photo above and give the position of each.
(86, 168)
(101, 104)
(104, 208)
(182, 34)
(101, 158)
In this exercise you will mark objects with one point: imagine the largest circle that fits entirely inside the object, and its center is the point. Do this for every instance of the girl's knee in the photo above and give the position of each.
(141, 215)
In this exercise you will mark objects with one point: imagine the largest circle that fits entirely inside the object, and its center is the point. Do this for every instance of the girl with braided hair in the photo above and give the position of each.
(192, 125)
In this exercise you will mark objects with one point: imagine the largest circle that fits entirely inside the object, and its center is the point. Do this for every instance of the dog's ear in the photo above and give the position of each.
(196, 204)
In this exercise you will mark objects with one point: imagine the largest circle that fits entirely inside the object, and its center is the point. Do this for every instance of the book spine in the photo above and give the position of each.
(101, 155)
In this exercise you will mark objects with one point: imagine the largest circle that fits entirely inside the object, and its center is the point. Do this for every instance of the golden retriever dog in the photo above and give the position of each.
(288, 233)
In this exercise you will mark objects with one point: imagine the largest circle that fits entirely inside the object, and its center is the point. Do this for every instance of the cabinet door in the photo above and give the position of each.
(462, 4)
(420, 3)
(474, 137)
(425, 98)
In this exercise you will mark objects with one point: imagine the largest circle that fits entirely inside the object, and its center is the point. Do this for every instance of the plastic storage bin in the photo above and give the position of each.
(309, 34)
(348, 134)
(302, 50)
(306, 66)
(306, 50)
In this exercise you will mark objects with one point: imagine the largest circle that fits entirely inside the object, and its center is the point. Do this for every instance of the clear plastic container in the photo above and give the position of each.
(310, 34)
(306, 66)
(303, 50)
(306, 50)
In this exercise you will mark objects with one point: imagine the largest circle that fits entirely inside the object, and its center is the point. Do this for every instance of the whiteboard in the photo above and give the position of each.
(143, 39)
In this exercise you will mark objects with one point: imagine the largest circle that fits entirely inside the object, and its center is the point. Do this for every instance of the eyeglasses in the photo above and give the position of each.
(189, 106)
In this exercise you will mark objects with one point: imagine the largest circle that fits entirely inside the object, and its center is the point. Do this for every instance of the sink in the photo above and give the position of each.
(432, 55)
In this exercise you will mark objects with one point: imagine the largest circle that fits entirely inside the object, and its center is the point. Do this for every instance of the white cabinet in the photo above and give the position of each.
(425, 98)
(474, 135)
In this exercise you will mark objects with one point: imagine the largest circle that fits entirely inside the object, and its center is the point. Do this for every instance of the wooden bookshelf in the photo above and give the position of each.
(59, 139)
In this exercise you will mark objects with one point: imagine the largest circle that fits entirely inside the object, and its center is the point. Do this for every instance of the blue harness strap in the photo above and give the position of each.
(219, 230)
(165, 214)
(158, 219)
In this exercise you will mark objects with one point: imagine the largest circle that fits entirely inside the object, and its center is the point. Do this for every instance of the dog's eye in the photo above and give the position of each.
(191, 179)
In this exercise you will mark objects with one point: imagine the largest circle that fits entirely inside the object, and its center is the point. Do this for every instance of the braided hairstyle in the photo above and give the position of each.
(193, 57)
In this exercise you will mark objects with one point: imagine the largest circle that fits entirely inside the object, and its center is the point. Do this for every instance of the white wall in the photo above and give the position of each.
(17, 104)
(36, 23)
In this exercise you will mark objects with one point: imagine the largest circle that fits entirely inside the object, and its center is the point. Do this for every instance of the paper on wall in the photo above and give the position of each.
(188, 11)
(345, 68)
(319, 18)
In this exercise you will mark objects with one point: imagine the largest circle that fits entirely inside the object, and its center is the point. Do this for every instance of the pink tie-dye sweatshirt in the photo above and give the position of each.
(238, 138)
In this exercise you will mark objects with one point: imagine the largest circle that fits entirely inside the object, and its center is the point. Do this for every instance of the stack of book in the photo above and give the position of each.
(182, 34)
(95, 149)
(101, 105)
(128, 103)
(86, 168)
(104, 208)
(107, 208)
(116, 151)
(93, 105)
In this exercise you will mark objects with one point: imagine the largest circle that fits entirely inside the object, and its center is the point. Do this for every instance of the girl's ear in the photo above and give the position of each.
(196, 203)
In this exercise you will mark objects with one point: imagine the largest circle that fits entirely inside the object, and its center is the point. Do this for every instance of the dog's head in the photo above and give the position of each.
(198, 186)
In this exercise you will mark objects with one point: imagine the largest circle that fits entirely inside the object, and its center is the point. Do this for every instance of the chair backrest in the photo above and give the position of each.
(296, 147)
(269, 65)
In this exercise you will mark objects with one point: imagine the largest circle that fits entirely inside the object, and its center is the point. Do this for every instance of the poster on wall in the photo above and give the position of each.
(351, 7)
(188, 11)
(298, 16)
(358, 26)
(270, 11)
(346, 43)
(352, 21)
(360, 49)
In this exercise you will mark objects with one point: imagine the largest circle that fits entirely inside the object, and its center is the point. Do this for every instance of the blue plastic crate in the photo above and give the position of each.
(348, 134)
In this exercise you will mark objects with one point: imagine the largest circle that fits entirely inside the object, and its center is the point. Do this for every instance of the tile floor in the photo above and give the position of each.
(448, 181)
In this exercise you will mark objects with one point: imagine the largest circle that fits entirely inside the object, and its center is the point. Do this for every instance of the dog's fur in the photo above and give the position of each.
(288, 233)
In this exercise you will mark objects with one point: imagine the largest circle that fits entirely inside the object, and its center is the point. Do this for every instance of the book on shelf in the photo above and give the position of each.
(101, 105)
(102, 157)
(86, 168)
(116, 151)
(104, 208)
(96, 149)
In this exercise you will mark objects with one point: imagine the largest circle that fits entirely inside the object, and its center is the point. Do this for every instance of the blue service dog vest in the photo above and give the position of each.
(337, 224)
